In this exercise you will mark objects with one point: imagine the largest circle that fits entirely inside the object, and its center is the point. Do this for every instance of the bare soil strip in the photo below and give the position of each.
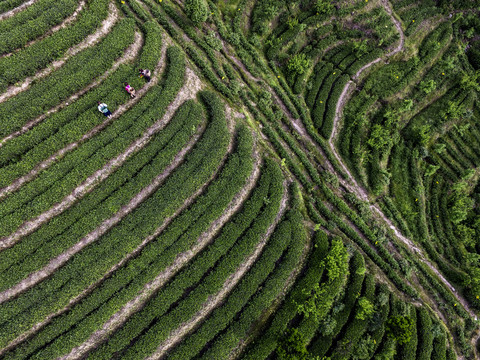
(114, 268)
(89, 41)
(129, 54)
(54, 29)
(19, 8)
(118, 112)
(118, 319)
(55, 263)
(189, 92)
(177, 335)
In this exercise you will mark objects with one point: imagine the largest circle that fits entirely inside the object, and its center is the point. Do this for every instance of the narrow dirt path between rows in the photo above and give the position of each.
(177, 335)
(89, 41)
(45, 164)
(360, 191)
(54, 29)
(119, 318)
(188, 92)
(114, 268)
(57, 262)
(244, 342)
(19, 8)
(129, 54)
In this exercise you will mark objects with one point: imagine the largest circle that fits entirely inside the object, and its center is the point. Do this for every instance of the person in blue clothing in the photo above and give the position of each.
(102, 107)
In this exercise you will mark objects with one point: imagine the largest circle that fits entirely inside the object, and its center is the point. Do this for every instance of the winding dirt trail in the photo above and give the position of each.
(89, 41)
(350, 183)
(359, 190)
(100, 175)
(119, 318)
(177, 335)
(54, 29)
(45, 164)
(19, 8)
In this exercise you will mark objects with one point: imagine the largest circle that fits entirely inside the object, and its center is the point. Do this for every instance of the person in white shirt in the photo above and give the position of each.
(102, 107)
(145, 73)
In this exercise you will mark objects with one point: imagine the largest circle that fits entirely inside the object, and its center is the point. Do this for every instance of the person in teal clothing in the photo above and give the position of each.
(102, 107)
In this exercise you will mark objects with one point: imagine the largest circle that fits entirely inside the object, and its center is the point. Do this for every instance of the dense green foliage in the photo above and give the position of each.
(295, 179)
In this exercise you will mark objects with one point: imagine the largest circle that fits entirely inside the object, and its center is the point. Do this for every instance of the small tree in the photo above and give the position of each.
(365, 309)
(380, 137)
(324, 7)
(428, 86)
(470, 81)
(431, 169)
(400, 328)
(292, 346)
(298, 64)
(407, 105)
(196, 10)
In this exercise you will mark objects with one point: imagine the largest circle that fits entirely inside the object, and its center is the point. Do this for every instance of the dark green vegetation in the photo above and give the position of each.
(298, 180)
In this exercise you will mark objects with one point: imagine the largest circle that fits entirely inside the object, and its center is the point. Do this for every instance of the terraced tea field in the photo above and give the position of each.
(296, 180)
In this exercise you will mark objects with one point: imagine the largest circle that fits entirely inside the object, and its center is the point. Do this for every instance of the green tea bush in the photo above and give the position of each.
(197, 11)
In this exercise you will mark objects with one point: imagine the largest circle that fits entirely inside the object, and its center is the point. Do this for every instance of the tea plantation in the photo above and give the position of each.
(289, 179)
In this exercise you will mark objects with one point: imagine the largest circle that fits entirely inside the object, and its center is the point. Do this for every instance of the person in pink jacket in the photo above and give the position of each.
(130, 90)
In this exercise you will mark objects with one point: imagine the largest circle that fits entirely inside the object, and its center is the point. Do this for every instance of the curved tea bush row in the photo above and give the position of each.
(253, 210)
(377, 331)
(33, 305)
(318, 108)
(439, 348)
(353, 331)
(70, 124)
(408, 350)
(353, 68)
(32, 12)
(203, 277)
(353, 289)
(18, 30)
(26, 61)
(149, 55)
(104, 146)
(34, 251)
(425, 335)
(6, 5)
(73, 76)
(178, 237)
(334, 96)
(321, 71)
(260, 286)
